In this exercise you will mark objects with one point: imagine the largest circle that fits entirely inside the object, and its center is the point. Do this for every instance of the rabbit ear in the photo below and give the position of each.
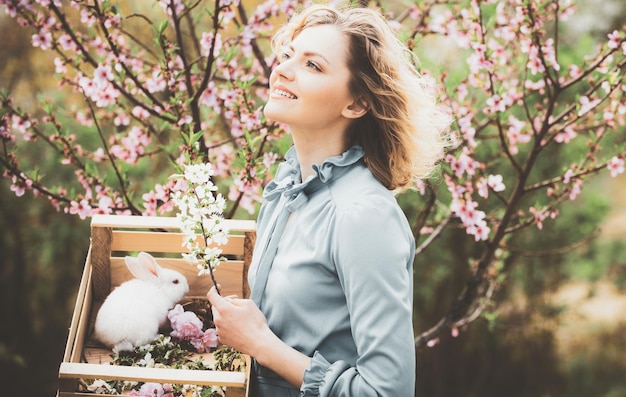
(143, 267)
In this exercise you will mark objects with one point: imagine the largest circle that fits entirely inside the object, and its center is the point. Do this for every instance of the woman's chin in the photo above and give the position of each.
(273, 114)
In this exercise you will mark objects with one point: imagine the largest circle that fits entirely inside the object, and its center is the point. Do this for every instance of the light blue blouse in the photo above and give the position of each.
(332, 272)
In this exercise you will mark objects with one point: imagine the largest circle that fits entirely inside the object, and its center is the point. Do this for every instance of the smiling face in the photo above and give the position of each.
(309, 88)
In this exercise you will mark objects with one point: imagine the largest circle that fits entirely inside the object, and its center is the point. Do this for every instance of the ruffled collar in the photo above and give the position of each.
(288, 181)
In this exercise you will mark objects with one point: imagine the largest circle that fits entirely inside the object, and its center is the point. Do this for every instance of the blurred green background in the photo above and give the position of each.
(557, 328)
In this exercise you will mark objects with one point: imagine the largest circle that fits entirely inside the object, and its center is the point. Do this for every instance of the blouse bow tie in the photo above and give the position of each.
(287, 179)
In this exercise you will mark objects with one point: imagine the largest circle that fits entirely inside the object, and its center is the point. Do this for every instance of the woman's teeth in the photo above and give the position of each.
(284, 93)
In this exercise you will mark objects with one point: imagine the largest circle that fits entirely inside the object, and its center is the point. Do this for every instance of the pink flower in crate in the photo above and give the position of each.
(149, 389)
(206, 341)
(185, 324)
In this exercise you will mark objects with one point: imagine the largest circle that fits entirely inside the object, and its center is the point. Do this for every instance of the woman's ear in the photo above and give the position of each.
(356, 109)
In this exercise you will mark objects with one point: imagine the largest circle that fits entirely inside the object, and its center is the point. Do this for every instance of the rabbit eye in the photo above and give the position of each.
(176, 281)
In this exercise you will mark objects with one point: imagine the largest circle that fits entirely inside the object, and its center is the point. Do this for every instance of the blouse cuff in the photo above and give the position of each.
(320, 376)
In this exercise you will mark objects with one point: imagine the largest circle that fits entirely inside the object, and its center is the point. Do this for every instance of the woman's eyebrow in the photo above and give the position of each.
(309, 53)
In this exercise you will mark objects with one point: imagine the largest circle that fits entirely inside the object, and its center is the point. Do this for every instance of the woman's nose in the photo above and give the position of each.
(284, 70)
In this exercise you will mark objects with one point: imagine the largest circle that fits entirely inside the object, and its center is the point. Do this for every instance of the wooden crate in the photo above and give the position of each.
(113, 237)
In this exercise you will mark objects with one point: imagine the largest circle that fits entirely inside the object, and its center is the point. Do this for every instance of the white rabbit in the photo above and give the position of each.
(134, 311)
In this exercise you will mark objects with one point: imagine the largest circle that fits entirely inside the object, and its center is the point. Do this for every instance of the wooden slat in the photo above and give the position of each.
(228, 274)
(248, 248)
(101, 251)
(158, 375)
(158, 222)
(78, 308)
(124, 240)
(84, 320)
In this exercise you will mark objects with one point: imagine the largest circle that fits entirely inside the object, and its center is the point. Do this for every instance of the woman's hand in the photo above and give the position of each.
(239, 322)
(241, 325)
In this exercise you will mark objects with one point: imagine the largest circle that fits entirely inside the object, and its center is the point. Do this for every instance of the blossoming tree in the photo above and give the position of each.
(147, 88)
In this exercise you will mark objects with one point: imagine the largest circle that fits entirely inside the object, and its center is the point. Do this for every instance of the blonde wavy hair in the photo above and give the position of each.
(403, 132)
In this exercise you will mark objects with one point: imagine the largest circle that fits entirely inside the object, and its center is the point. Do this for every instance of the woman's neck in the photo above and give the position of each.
(315, 149)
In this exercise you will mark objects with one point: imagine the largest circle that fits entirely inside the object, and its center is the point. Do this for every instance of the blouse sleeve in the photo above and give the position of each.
(373, 252)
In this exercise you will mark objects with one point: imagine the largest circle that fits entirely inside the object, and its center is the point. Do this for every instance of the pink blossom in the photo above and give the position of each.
(534, 62)
(252, 121)
(586, 105)
(151, 389)
(574, 71)
(616, 166)
(549, 54)
(420, 186)
(87, 17)
(478, 60)
(456, 190)
(67, 43)
(42, 39)
(269, 158)
(81, 208)
(10, 9)
(151, 199)
(112, 21)
(514, 133)
(107, 96)
(538, 85)
(250, 195)
(99, 45)
(495, 104)
(608, 117)
(60, 66)
(140, 112)
(102, 75)
(132, 146)
(209, 97)
(156, 83)
(566, 135)
(426, 230)
(568, 176)
(121, 119)
(187, 326)
(87, 85)
(539, 216)
(105, 205)
(207, 42)
(473, 219)
(99, 155)
(482, 188)
(206, 341)
(168, 5)
(505, 32)
(614, 39)
(20, 124)
(415, 12)
(18, 186)
(495, 183)
(461, 90)
(479, 230)
(185, 120)
(576, 189)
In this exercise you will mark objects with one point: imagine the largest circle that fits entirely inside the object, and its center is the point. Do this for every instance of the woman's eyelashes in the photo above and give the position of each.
(283, 56)
(311, 64)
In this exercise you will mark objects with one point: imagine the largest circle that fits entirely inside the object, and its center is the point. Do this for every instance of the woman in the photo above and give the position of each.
(331, 303)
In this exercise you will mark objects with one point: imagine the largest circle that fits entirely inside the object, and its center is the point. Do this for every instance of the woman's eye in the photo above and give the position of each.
(313, 65)
(283, 56)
